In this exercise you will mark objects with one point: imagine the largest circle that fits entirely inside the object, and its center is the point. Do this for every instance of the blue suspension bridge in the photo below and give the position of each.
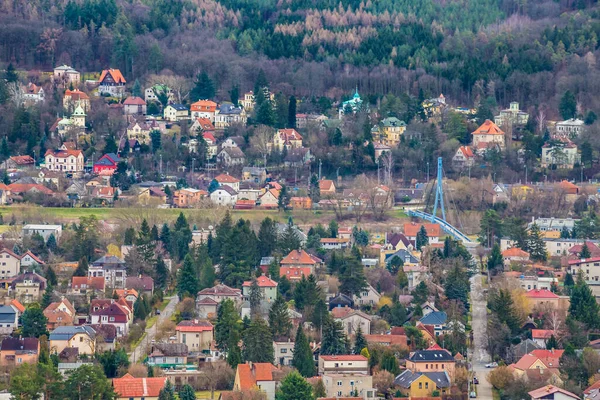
(439, 200)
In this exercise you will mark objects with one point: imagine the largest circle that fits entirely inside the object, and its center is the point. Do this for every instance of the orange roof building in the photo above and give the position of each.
(551, 392)
(203, 107)
(248, 376)
(226, 178)
(112, 82)
(300, 258)
(412, 228)
(326, 186)
(127, 387)
(488, 135)
(568, 187)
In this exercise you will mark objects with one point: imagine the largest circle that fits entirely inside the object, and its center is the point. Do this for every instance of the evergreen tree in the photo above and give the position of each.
(279, 319)
(457, 284)
(284, 199)
(156, 140)
(204, 88)
(165, 237)
(583, 306)
(139, 309)
(292, 113)
(289, 240)
(568, 105)
(306, 292)
(4, 150)
(255, 337)
(333, 341)
(207, 275)
(234, 356)
(314, 191)
(110, 145)
(234, 95)
(501, 303)
(552, 343)
(585, 251)
(565, 233)
(51, 243)
(267, 237)
(227, 322)
(294, 387)
(420, 293)
(34, 322)
(51, 276)
(389, 362)
(398, 313)
(255, 297)
(187, 280)
(359, 341)
(168, 392)
(303, 356)
(333, 228)
(319, 389)
(422, 238)
(569, 281)
(11, 74)
(319, 314)
(47, 297)
(82, 267)
(495, 260)
(136, 90)
(187, 393)
(129, 236)
(536, 245)
(352, 278)
(162, 273)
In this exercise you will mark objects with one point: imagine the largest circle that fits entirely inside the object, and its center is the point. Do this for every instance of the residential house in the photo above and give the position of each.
(113, 270)
(70, 161)
(188, 197)
(381, 149)
(74, 98)
(411, 230)
(256, 175)
(142, 283)
(175, 112)
(299, 261)
(560, 154)
(28, 287)
(66, 75)
(228, 114)
(196, 334)
(228, 180)
(168, 355)
(514, 255)
(20, 163)
(224, 196)
(326, 187)
(208, 299)
(151, 195)
(343, 364)
(16, 351)
(59, 313)
(108, 311)
(10, 264)
(33, 93)
(268, 288)
(112, 83)
(81, 337)
(140, 131)
(592, 392)
(538, 359)
(529, 281)
(88, 285)
(423, 384)
(269, 199)
(107, 164)
(511, 116)
(202, 125)
(437, 319)
(231, 156)
(131, 295)
(150, 94)
(205, 109)
(389, 131)
(352, 320)
(388, 340)
(570, 128)
(551, 392)
(350, 106)
(301, 203)
(542, 297)
(432, 360)
(487, 136)
(250, 376)
(464, 157)
(134, 106)
(129, 388)
(345, 375)
(31, 188)
(285, 139)
(28, 259)
(211, 143)
(106, 337)
(369, 296)
(334, 243)
(9, 319)
(233, 141)
(284, 353)
(541, 336)
(296, 158)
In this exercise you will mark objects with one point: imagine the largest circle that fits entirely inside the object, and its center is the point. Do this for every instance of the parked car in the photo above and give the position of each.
(475, 380)
(491, 365)
(473, 395)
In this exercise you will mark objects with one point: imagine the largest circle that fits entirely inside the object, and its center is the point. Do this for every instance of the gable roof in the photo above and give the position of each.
(431, 355)
(326, 184)
(250, 374)
(434, 318)
(263, 281)
(76, 94)
(515, 252)
(17, 304)
(20, 344)
(541, 294)
(488, 128)
(67, 332)
(226, 178)
(134, 101)
(547, 390)
(53, 306)
(114, 73)
(412, 228)
(395, 238)
(194, 326)
(298, 257)
(406, 378)
(542, 333)
(22, 160)
(96, 282)
(220, 290)
(390, 340)
(466, 151)
(130, 387)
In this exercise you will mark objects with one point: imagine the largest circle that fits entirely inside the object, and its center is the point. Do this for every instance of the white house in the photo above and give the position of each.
(562, 154)
(175, 112)
(570, 128)
(224, 196)
(70, 161)
(369, 296)
(44, 230)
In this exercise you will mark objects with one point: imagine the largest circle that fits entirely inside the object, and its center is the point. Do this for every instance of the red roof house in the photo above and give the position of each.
(127, 387)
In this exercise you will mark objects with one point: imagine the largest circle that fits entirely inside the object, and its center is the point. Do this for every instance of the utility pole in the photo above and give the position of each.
(427, 171)
(160, 165)
(193, 160)
(320, 164)
(378, 172)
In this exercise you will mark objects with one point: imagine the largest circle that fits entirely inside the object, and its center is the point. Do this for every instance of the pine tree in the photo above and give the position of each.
(289, 240)
(389, 363)
(204, 88)
(51, 276)
(352, 278)
(234, 356)
(139, 309)
(168, 392)
(4, 150)
(585, 251)
(227, 322)
(207, 275)
(333, 228)
(234, 95)
(187, 280)
(552, 343)
(187, 393)
(568, 105)
(422, 238)
(565, 233)
(47, 297)
(82, 267)
(333, 341)
(457, 284)
(165, 237)
(303, 356)
(154, 233)
(11, 74)
(34, 322)
(536, 245)
(279, 319)
(292, 112)
(420, 293)
(162, 273)
(583, 306)
(267, 237)
(136, 90)
(255, 337)
(255, 297)
(359, 341)
(495, 260)
(129, 236)
(51, 243)
(319, 389)
(294, 387)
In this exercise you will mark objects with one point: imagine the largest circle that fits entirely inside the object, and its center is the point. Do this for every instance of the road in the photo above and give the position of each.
(138, 354)
(479, 355)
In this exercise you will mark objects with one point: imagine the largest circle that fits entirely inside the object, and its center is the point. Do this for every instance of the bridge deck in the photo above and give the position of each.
(451, 230)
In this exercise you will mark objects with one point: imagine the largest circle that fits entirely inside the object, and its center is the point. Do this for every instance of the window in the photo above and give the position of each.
(81, 338)
(339, 383)
(339, 393)
(420, 385)
(283, 351)
(426, 366)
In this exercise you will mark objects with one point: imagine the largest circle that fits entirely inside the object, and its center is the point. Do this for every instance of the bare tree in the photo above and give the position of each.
(388, 166)
(262, 140)
(541, 120)
(179, 85)
(381, 199)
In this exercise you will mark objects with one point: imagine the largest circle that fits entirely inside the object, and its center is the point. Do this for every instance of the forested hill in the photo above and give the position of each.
(512, 49)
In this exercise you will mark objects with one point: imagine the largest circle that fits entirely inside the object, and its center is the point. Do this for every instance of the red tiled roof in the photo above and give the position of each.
(541, 294)
(249, 375)
(115, 73)
(345, 357)
(134, 101)
(515, 252)
(128, 386)
(325, 184)
(298, 257)
(488, 128)
(293, 273)
(226, 178)
(64, 153)
(263, 281)
(549, 357)
(388, 339)
(194, 326)
(548, 390)
(22, 160)
(205, 124)
(126, 292)
(9, 252)
(411, 229)
(289, 134)
(541, 333)
(19, 188)
(466, 151)
(76, 94)
(594, 386)
(96, 282)
(220, 290)
(17, 304)
(209, 136)
(204, 105)
(35, 258)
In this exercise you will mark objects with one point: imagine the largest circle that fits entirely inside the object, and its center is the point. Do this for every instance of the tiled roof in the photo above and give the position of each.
(220, 290)
(19, 344)
(249, 375)
(107, 331)
(130, 387)
(126, 292)
(33, 256)
(76, 95)
(19, 188)
(388, 339)
(96, 282)
(515, 252)
(204, 105)
(17, 304)
(53, 306)
(488, 128)
(395, 238)
(541, 333)
(541, 294)
(549, 357)
(289, 134)
(115, 74)
(294, 272)
(546, 391)
(22, 160)
(326, 184)
(298, 257)
(143, 282)
(64, 153)
(226, 178)
(345, 357)
(194, 326)
(411, 229)
(263, 281)
(10, 252)
(134, 101)
(466, 151)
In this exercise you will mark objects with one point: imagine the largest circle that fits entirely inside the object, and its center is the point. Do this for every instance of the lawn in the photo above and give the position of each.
(205, 394)
(151, 321)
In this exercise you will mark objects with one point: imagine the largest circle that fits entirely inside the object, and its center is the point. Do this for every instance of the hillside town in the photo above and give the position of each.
(159, 244)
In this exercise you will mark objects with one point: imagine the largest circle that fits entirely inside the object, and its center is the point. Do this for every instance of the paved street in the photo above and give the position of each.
(138, 354)
(479, 355)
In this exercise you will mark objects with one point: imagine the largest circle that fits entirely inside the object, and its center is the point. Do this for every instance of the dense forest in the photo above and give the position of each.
(528, 51)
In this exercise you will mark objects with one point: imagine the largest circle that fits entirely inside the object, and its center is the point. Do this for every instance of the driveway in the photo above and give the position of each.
(138, 354)
(479, 355)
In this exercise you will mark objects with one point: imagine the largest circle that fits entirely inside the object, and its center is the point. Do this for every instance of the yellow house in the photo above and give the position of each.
(390, 131)
(81, 337)
(434, 359)
(139, 131)
(423, 384)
